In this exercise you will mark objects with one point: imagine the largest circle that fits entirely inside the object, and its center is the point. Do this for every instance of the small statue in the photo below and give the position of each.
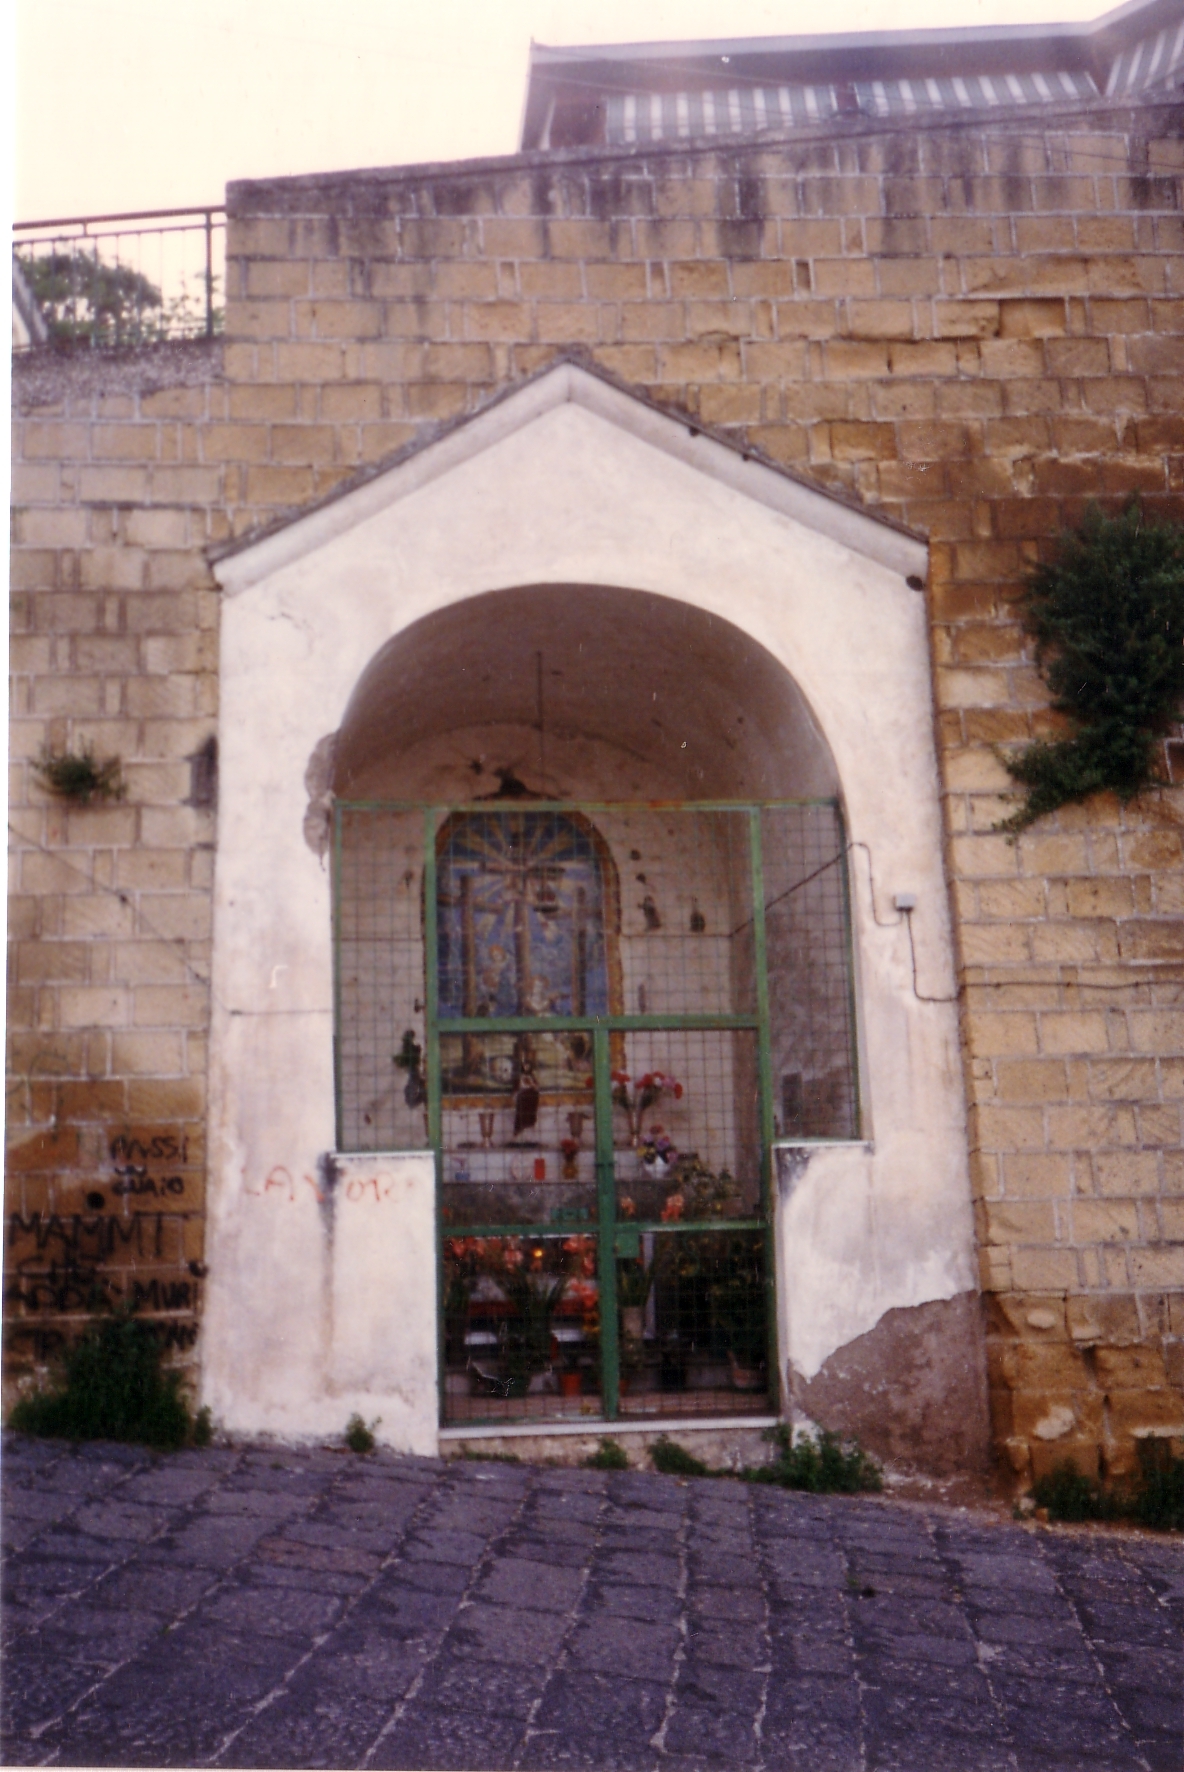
(409, 1058)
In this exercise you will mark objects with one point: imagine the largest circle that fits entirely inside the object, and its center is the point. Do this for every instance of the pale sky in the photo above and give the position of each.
(144, 104)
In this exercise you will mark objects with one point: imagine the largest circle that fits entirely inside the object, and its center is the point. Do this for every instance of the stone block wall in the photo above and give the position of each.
(114, 647)
(973, 326)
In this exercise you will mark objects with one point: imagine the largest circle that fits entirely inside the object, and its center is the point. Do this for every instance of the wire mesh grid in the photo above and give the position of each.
(641, 919)
(685, 885)
(521, 1319)
(694, 1329)
(686, 1125)
(811, 1021)
(523, 1328)
(549, 912)
(382, 1085)
(520, 1152)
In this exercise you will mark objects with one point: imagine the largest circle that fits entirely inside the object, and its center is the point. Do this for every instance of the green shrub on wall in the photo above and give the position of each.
(1108, 616)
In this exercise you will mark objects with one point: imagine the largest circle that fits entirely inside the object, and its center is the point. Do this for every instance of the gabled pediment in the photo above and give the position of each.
(572, 388)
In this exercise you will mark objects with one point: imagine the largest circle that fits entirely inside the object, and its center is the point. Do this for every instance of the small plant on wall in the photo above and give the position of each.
(112, 1386)
(79, 776)
(1108, 616)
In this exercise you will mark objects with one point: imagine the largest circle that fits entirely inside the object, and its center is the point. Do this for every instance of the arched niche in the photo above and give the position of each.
(584, 692)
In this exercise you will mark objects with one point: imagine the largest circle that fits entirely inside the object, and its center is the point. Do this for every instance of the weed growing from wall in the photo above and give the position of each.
(112, 1387)
(824, 1466)
(1159, 1494)
(1108, 616)
(79, 777)
(609, 1456)
(827, 1465)
(1154, 1499)
(671, 1459)
(1071, 1496)
(359, 1437)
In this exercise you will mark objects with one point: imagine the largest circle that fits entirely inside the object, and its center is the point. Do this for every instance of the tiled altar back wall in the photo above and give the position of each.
(974, 327)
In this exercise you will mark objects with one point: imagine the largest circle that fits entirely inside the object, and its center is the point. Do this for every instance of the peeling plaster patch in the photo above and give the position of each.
(318, 784)
(867, 1229)
(911, 1390)
(1058, 1422)
(1040, 1319)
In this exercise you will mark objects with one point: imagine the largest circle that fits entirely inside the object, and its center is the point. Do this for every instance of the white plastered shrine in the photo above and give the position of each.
(321, 1299)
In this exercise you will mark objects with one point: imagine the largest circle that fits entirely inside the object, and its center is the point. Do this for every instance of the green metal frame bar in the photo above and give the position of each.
(590, 1227)
(500, 806)
(606, 1213)
(432, 1078)
(849, 938)
(765, 1072)
(579, 1024)
(432, 984)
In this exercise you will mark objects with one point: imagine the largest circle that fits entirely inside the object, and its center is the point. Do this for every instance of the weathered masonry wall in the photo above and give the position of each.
(973, 326)
(978, 330)
(114, 646)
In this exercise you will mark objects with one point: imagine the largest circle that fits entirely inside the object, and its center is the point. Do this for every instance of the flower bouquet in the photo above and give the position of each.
(636, 1095)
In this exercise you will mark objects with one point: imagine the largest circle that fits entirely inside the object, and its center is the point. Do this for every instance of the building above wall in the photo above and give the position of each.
(614, 94)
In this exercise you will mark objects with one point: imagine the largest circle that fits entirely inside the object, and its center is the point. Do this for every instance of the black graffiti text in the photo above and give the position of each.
(133, 1180)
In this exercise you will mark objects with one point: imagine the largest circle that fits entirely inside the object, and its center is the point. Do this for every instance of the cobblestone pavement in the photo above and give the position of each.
(278, 1608)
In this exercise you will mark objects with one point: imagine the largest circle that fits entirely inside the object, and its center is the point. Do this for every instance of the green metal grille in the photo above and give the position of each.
(599, 1017)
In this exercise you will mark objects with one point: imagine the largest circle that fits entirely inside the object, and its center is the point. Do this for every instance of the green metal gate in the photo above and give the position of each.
(599, 1018)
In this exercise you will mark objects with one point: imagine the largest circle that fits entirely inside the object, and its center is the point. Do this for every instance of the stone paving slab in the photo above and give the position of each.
(269, 1607)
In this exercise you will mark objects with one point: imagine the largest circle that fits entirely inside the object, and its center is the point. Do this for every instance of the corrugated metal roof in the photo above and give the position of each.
(1155, 61)
(749, 110)
(621, 94)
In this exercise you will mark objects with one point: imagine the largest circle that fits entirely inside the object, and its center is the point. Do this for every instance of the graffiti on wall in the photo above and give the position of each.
(281, 1186)
(129, 1242)
(135, 1179)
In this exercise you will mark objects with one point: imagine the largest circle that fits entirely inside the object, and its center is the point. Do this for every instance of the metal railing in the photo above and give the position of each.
(111, 282)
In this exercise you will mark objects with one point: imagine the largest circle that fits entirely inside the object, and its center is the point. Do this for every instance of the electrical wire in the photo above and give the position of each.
(907, 918)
